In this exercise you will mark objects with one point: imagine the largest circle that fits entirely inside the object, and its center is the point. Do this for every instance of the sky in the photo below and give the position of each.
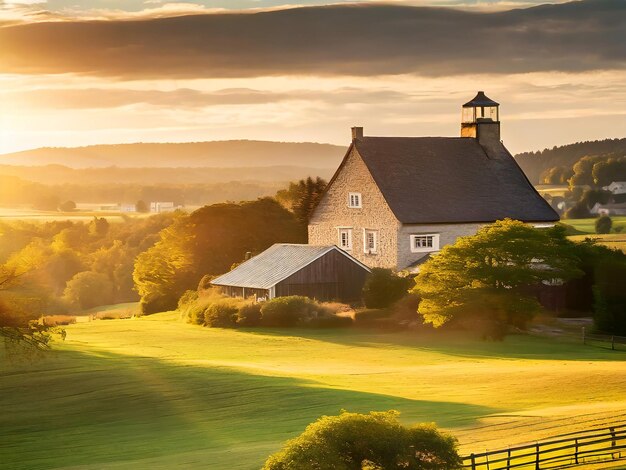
(80, 72)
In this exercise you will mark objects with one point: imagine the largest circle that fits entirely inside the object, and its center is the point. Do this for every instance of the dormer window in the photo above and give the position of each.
(424, 243)
(354, 200)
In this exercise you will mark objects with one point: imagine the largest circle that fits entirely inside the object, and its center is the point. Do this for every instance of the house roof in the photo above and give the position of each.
(480, 100)
(450, 180)
(275, 264)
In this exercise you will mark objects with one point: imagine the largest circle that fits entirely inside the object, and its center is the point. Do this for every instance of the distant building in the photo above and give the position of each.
(393, 201)
(616, 187)
(320, 272)
(163, 207)
(127, 207)
(609, 209)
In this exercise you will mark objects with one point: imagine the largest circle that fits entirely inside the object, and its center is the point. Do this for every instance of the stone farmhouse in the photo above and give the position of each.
(394, 201)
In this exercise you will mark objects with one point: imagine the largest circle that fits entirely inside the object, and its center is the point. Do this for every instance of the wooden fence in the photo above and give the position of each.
(563, 451)
(616, 343)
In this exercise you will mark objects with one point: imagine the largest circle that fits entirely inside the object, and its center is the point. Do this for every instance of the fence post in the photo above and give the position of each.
(473, 461)
(576, 452)
(537, 457)
(508, 459)
(584, 339)
(613, 343)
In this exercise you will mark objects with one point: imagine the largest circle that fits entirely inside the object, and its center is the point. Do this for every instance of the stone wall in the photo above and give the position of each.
(333, 212)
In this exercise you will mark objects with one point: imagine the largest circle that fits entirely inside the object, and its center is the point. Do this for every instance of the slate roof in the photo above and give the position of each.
(450, 180)
(480, 100)
(278, 262)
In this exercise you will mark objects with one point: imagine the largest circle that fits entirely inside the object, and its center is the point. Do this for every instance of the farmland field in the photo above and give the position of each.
(153, 392)
(586, 229)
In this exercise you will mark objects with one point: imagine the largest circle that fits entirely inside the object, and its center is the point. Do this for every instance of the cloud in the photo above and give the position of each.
(359, 40)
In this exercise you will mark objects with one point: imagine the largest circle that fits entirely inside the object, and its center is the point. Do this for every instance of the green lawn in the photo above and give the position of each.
(589, 225)
(156, 393)
(585, 228)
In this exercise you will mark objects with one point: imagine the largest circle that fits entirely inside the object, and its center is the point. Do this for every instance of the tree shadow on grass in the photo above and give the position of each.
(515, 346)
(107, 410)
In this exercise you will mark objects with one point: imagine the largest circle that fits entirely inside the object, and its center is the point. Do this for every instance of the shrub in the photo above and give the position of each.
(603, 224)
(383, 287)
(221, 314)
(330, 321)
(288, 311)
(376, 440)
(89, 289)
(249, 314)
(57, 320)
(187, 298)
(371, 314)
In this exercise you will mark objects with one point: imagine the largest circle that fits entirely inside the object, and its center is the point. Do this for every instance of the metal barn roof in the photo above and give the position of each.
(278, 262)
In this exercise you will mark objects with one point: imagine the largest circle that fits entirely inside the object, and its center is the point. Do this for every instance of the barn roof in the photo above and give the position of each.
(275, 264)
(450, 180)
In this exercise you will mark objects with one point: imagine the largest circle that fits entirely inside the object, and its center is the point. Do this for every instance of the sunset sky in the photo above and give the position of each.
(79, 72)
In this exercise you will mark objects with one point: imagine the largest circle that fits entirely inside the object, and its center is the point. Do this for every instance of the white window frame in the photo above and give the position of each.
(358, 198)
(424, 236)
(348, 232)
(366, 245)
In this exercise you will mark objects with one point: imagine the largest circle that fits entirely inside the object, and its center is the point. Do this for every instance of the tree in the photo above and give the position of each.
(208, 241)
(603, 224)
(89, 289)
(383, 287)
(99, 226)
(610, 297)
(375, 441)
(485, 276)
(302, 197)
(67, 206)
(142, 206)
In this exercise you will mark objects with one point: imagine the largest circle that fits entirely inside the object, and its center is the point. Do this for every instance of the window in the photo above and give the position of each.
(370, 241)
(427, 242)
(354, 200)
(345, 238)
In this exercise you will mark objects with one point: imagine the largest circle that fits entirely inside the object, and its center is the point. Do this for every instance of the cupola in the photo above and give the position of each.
(480, 119)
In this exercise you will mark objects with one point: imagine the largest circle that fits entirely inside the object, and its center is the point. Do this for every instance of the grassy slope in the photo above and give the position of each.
(156, 393)
(587, 229)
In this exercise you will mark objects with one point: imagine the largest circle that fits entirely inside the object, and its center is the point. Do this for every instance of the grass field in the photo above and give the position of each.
(585, 228)
(31, 215)
(155, 393)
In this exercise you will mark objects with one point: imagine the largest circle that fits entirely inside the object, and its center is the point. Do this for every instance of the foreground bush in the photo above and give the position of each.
(383, 287)
(289, 311)
(367, 441)
(249, 315)
(603, 224)
(222, 314)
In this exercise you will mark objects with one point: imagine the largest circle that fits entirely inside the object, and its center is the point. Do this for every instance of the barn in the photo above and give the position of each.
(324, 273)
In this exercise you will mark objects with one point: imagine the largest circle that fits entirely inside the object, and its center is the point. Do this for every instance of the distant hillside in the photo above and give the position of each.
(534, 163)
(230, 153)
(59, 174)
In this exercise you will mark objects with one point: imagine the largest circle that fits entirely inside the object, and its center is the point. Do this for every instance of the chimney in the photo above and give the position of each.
(357, 133)
(248, 255)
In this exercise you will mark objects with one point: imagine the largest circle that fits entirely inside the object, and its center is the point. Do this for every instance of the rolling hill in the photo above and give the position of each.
(230, 153)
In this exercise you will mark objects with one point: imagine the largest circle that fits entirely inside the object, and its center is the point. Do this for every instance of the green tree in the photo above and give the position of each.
(610, 297)
(209, 241)
(302, 197)
(383, 287)
(142, 206)
(603, 224)
(89, 289)
(375, 441)
(99, 226)
(67, 206)
(484, 276)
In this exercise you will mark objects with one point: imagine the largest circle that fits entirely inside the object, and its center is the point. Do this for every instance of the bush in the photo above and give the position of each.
(221, 314)
(57, 320)
(603, 224)
(249, 314)
(89, 289)
(371, 314)
(289, 311)
(187, 298)
(330, 321)
(383, 287)
(376, 441)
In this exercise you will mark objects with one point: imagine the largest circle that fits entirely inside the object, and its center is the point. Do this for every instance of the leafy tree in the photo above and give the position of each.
(603, 224)
(142, 206)
(606, 171)
(99, 226)
(486, 274)
(610, 297)
(383, 287)
(577, 211)
(302, 197)
(208, 241)
(89, 289)
(67, 206)
(375, 441)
